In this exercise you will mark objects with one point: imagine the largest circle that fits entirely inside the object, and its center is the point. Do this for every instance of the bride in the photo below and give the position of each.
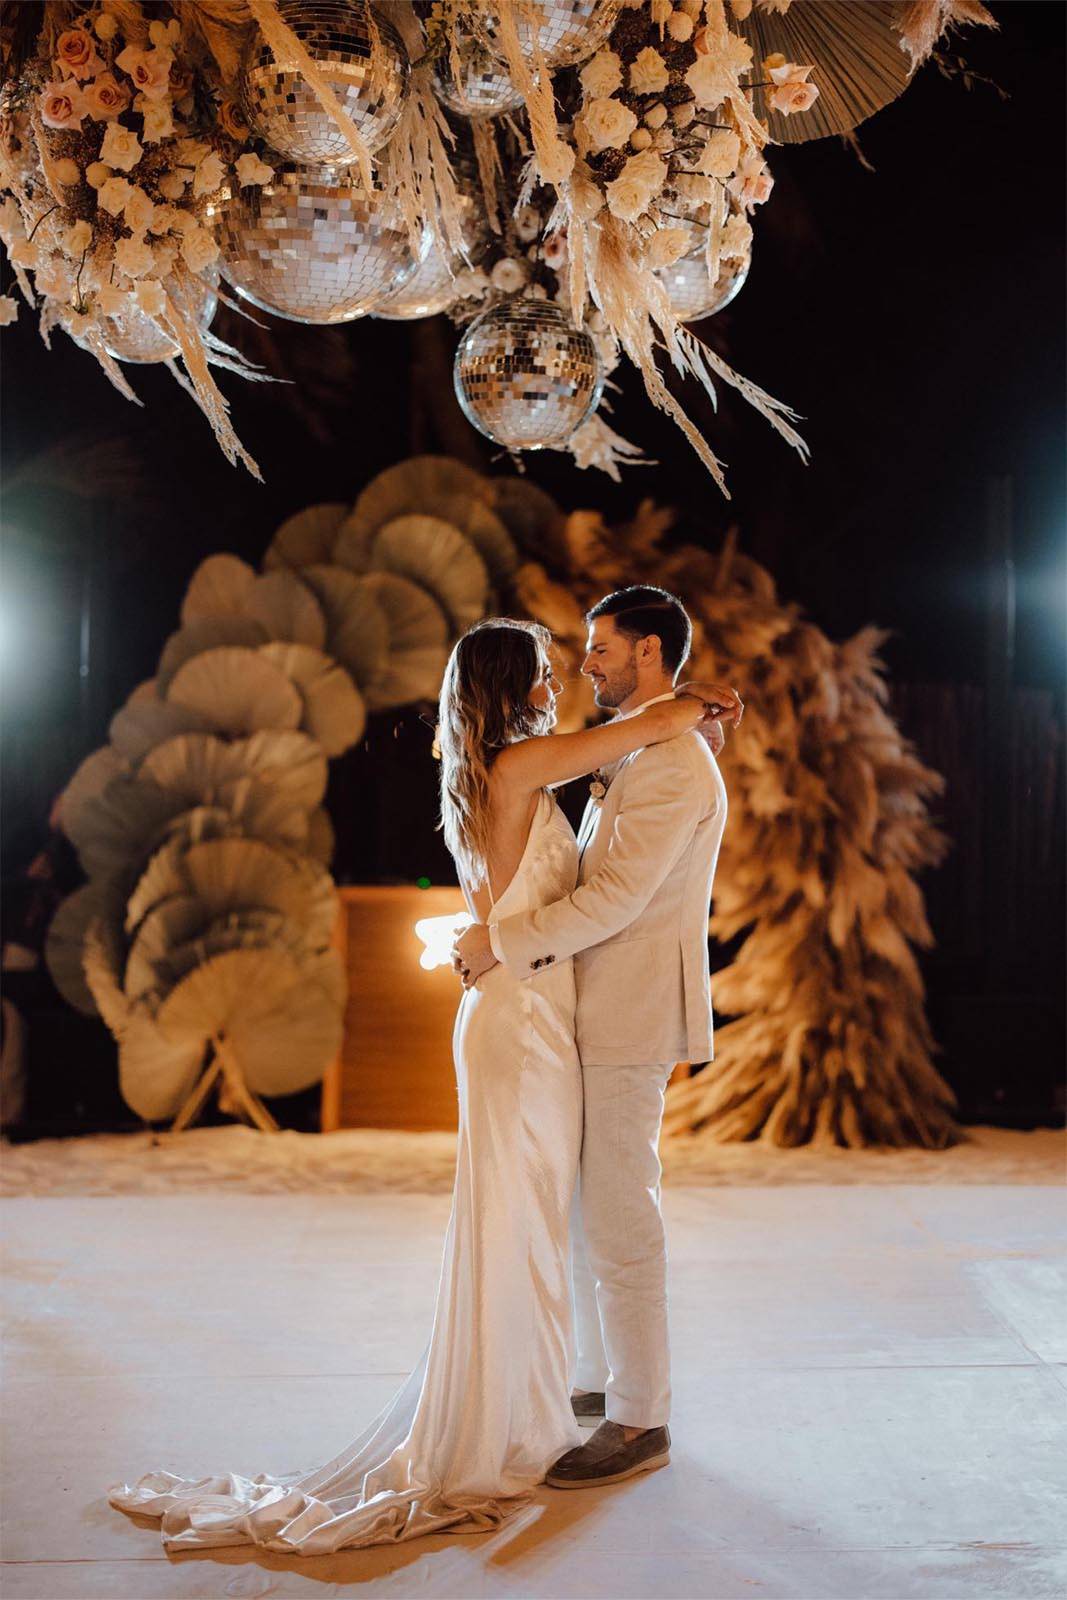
(487, 1409)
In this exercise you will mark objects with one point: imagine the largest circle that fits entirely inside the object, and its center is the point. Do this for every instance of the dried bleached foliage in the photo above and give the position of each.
(828, 828)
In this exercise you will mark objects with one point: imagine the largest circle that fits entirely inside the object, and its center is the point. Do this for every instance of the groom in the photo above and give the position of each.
(636, 926)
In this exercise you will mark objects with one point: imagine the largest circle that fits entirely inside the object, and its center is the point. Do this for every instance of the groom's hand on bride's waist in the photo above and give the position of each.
(472, 954)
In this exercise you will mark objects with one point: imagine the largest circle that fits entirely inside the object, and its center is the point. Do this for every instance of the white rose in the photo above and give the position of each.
(120, 148)
(172, 184)
(133, 257)
(164, 255)
(77, 239)
(472, 283)
(607, 123)
(647, 168)
(199, 249)
(508, 275)
(736, 236)
(648, 73)
(112, 300)
(209, 174)
(113, 194)
(586, 197)
(721, 154)
(631, 191)
(138, 211)
(666, 246)
(158, 122)
(602, 75)
(527, 223)
(250, 169)
(150, 297)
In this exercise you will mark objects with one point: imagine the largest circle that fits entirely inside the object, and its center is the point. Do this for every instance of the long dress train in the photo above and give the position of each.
(487, 1409)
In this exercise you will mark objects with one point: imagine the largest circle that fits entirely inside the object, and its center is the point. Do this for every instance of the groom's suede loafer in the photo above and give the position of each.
(608, 1458)
(589, 1406)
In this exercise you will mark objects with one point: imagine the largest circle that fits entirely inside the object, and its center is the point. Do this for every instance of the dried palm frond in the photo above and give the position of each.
(433, 554)
(220, 587)
(357, 633)
(287, 610)
(334, 712)
(205, 633)
(240, 690)
(306, 538)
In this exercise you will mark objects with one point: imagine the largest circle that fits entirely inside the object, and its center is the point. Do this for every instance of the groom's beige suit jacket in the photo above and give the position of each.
(637, 924)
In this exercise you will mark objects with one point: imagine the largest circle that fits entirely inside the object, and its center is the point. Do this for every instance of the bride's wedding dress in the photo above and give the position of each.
(487, 1409)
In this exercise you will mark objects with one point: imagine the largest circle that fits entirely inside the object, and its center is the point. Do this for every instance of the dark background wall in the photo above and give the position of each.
(914, 316)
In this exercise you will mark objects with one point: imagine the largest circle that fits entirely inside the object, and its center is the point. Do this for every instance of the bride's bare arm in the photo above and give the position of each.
(537, 763)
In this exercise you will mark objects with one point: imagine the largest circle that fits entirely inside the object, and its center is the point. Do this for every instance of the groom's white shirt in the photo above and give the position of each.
(636, 924)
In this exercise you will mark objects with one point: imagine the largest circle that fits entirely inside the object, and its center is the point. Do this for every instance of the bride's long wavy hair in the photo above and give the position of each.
(485, 705)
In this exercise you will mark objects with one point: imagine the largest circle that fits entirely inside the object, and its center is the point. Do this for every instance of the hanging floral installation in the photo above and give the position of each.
(203, 933)
(574, 182)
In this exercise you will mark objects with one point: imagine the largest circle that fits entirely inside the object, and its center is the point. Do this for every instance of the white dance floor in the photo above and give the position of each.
(871, 1394)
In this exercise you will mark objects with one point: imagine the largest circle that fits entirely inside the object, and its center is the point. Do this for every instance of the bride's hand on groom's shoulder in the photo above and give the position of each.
(722, 703)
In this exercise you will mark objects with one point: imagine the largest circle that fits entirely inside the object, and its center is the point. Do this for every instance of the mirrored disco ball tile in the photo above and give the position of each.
(526, 376)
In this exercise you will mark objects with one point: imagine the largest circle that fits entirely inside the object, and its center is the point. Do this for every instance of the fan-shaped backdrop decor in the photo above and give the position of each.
(202, 830)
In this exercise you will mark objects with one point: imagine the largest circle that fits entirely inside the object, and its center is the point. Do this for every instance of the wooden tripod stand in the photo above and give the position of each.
(235, 1097)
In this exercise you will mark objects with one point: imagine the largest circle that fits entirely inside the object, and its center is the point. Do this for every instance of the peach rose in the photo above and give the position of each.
(232, 121)
(149, 69)
(77, 55)
(62, 105)
(106, 98)
(721, 153)
(791, 92)
(752, 183)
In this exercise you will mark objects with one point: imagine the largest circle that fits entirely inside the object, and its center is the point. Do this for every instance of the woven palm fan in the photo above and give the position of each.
(171, 960)
(219, 587)
(90, 780)
(305, 539)
(531, 516)
(357, 633)
(156, 1074)
(334, 711)
(418, 642)
(115, 830)
(265, 813)
(144, 693)
(194, 765)
(485, 531)
(288, 760)
(854, 49)
(205, 633)
(321, 839)
(433, 554)
(275, 1022)
(64, 946)
(172, 921)
(142, 724)
(234, 874)
(287, 610)
(240, 690)
(416, 485)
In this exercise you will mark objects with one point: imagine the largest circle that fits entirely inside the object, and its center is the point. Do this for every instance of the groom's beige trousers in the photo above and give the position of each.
(619, 1249)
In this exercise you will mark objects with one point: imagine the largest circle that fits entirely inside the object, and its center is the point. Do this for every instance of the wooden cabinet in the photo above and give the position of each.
(395, 1067)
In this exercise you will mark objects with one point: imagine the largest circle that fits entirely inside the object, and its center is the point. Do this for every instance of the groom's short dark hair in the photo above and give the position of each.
(643, 609)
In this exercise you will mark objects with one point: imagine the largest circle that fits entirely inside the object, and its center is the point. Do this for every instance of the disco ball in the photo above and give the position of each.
(313, 246)
(569, 31)
(691, 291)
(132, 336)
(483, 88)
(430, 289)
(370, 83)
(525, 376)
